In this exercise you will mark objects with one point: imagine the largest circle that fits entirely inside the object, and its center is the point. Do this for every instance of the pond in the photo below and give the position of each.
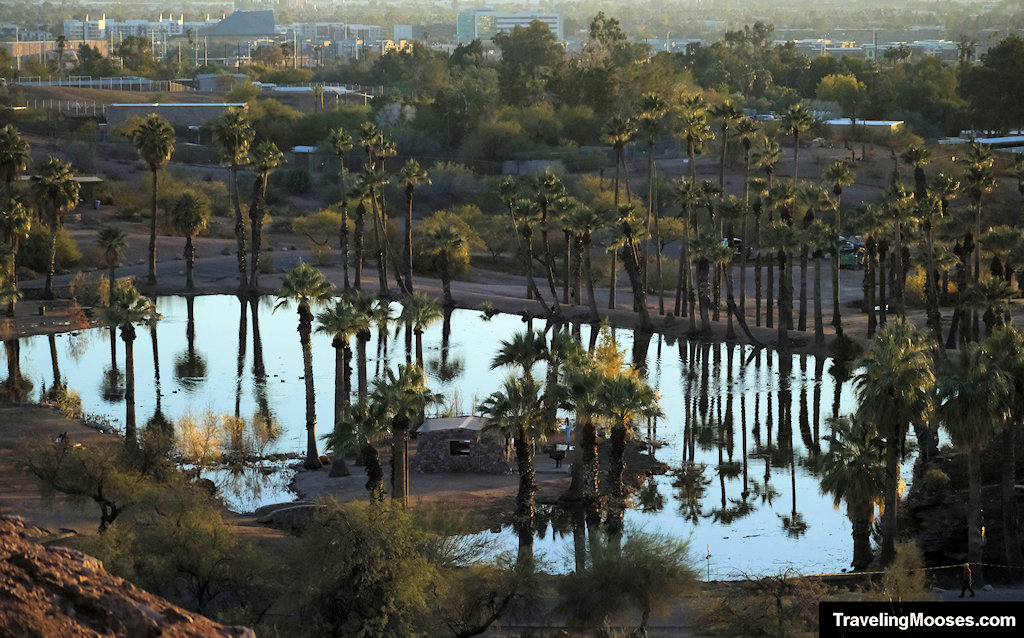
(750, 420)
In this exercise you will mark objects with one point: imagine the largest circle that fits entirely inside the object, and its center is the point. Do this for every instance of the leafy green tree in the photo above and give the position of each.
(233, 135)
(127, 308)
(845, 90)
(307, 287)
(189, 217)
(153, 140)
(992, 89)
(56, 191)
(852, 471)
(894, 391)
(531, 60)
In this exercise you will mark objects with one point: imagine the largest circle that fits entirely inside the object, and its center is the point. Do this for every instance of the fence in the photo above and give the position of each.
(127, 83)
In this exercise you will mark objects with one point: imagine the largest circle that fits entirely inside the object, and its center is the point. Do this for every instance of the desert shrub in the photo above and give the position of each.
(905, 578)
(90, 289)
(298, 180)
(34, 251)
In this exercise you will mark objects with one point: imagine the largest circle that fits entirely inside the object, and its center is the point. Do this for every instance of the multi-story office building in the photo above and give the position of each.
(486, 23)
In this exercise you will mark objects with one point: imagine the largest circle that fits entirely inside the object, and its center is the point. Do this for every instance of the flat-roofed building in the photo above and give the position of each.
(485, 23)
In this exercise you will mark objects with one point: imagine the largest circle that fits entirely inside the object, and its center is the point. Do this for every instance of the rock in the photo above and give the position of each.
(988, 588)
(56, 591)
(294, 518)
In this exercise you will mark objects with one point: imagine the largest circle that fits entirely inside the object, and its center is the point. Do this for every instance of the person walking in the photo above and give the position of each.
(967, 581)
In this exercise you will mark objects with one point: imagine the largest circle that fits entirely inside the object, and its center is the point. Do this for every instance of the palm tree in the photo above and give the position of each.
(565, 206)
(894, 391)
(972, 402)
(918, 156)
(419, 312)
(14, 158)
(625, 398)
(708, 249)
(307, 287)
(1006, 349)
(189, 217)
(15, 224)
(900, 204)
(508, 192)
(618, 132)
(523, 350)
(363, 424)
(515, 412)
(586, 222)
(446, 244)
(405, 397)
(783, 239)
(727, 115)
(814, 198)
(820, 238)
(233, 135)
(875, 225)
(731, 209)
(264, 159)
(853, 471)
(56, 191)
(359, 193)
(547, 189)
(796, 120)
(582, 382)
(993, 298)
(373, 180)
(839, 175)
(374, 313)
(747, 129)
(650, 122)
(127, 308)
(111, 241)
(688, 195)
(782, 197)
(629, 235)
(411, 175)
(978, 180)
(342, 321)
(153, 140)
(766, 155)
(340, 144)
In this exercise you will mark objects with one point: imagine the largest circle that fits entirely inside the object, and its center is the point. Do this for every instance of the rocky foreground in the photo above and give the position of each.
(56, 591)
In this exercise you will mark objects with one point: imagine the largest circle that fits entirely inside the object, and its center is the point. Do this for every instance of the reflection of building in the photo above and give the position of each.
(485, 23)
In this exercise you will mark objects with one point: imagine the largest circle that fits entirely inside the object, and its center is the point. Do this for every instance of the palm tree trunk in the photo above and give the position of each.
(190, 262)
(568, 275)
(360, 221)
(612, 279)
(256, 214)
(819, 319)
(378, 236)
(128, 334)
(892, 494)
(785, 299)
(861, 516)
(532, 292)
(703, 294)
(361, 339)
(305, 327)
(837, 319)
(243, 281)
(151, 277)
(408, 240)
(446, 284)
(525, 499)
(343, 241)
(769, 310)
(338, 466)
(48, 292)
(400, 458)
(617, 466)
(630, 261)
(883, 250)
(974, 538)
(871, 259)
(588, 275)
(802, 320)
(374, 472)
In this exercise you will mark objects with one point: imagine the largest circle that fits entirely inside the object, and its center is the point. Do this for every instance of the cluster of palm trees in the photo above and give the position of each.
(976, 396)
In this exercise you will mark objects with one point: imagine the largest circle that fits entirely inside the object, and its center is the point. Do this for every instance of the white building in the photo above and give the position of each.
(86, 29)
(485, 23)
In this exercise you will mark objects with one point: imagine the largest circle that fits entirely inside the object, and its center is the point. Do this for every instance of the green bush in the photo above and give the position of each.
(34, 252)
(298, 180)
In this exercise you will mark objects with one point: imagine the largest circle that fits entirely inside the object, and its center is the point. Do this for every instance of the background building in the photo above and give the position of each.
(485, 23)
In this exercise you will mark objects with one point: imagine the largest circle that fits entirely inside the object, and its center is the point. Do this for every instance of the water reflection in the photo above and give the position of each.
(740, 452)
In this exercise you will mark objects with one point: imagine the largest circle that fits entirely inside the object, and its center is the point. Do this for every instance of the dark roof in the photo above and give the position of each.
(244, 23)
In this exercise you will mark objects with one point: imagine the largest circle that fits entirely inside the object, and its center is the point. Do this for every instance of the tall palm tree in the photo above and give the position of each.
(14, 157)
(445, 244)
(340, 144)
(411, 175)
(374, 179)
(583, 382)
(419, 311)
(111, 241)
(894, 391)
(748, 130)
(783, 239)
(374, 313)
(900, 205)
(618, 132)
(153, 140)
(547, 189)
(727, 115)
(565, 206)
(405, 396)
(918, 156)
(1006, 349)
(796, 120)
(650, 122)
(688, 194)
(15, 224)
(56, 191)
(708, 249)
(515, 412)
(263, 160)
(782, 197)
(972, 402)
(978, 179)
(819, 237)
(523, 350)
(189, 217)
(732, 209)
(766, 156)
(342, 321)
(307, 287)
(586, 222)
(358, 193)
(815, 199)
(874, 225)
(508, 192)
(839, 175)
(233, 135)
(629, 235)
(626, 399)
(127, 308)
(853, 471)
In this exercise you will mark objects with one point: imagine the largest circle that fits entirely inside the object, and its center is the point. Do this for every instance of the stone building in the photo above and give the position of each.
(458, 444)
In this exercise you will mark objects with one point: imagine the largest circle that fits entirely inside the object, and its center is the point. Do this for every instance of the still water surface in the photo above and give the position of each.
(753, 420)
